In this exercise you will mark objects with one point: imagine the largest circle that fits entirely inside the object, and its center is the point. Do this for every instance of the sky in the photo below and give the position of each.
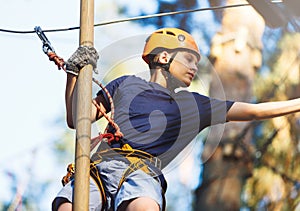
(32, 89)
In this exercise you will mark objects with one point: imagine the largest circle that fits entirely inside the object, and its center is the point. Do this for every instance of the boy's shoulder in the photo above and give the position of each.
(129, 79)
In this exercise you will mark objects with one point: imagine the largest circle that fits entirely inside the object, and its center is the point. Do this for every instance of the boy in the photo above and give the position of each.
(157, 120)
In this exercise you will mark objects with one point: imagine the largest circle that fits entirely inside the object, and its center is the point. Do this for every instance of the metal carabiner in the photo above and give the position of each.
(47, 47)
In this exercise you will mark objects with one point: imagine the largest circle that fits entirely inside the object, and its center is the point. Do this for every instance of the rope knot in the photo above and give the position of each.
(56, 59)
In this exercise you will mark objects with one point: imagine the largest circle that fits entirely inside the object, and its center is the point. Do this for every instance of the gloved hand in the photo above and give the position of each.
(84, 55)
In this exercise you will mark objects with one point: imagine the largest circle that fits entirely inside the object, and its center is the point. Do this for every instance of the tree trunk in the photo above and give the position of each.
(235, 54)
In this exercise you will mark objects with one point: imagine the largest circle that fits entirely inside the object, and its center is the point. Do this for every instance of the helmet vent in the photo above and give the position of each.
(170, 33)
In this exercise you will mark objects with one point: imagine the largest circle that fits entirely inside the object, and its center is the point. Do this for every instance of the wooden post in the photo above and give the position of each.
(83, 112)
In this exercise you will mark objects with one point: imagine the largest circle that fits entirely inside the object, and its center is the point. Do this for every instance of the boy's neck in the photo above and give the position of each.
(158, 76)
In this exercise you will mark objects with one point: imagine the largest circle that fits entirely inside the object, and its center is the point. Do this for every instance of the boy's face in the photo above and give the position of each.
(184, 67)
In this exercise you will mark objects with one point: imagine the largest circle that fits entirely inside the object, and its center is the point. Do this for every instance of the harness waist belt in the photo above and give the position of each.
(126, 155)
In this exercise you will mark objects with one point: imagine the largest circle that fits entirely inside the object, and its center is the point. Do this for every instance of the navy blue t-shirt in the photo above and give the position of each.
(158, 121)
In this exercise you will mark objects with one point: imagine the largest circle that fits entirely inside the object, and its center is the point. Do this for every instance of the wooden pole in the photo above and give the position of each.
(83, 112)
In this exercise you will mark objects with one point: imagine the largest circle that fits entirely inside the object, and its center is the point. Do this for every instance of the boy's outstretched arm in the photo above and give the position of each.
(248, 112)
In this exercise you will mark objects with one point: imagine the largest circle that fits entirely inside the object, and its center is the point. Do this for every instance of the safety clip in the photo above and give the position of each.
(47, 47)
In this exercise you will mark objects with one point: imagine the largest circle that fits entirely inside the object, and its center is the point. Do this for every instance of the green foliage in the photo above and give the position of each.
(181, 20)
(279, 164)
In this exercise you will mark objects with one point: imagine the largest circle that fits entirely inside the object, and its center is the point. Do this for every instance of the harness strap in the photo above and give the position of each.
(96, 177)
(129, 154)
(135, 164)
(141, 160)
(137, 160)
(93, 173)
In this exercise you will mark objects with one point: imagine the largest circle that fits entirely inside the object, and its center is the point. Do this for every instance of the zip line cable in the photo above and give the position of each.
(132, 19)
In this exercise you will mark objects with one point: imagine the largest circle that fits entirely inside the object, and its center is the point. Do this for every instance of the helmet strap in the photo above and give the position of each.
(172, 82)
(166, 66)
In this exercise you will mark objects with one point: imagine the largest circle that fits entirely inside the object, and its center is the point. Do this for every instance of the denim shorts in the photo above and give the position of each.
(137, 184)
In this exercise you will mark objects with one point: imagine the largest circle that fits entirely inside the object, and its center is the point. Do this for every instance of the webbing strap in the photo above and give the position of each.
(126, 153)
(96, 177)
(135, 164)
(94, 173)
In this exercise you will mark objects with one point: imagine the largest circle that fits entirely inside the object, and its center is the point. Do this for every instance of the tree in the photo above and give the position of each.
(274, 183)
(182, 20)
(236, 56)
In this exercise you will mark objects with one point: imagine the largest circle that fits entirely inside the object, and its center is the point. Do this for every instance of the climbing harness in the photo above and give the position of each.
(136, 159)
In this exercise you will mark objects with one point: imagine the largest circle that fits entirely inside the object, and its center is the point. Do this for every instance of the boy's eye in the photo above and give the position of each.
(189, 58)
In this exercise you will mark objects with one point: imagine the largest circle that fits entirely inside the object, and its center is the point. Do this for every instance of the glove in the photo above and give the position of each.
(84, 55)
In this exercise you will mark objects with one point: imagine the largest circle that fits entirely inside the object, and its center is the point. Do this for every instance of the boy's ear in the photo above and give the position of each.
(164, 57)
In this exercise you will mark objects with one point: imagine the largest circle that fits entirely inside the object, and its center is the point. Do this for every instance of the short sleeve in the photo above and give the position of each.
(111, 87)
(212, 111)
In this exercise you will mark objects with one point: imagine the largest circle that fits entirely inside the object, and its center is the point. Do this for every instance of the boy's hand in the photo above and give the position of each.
(84, 55)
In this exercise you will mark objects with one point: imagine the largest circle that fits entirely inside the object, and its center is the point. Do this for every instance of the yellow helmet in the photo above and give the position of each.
(171, 39)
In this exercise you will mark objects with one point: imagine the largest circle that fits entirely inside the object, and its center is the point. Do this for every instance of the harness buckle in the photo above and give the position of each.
(157, 162)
